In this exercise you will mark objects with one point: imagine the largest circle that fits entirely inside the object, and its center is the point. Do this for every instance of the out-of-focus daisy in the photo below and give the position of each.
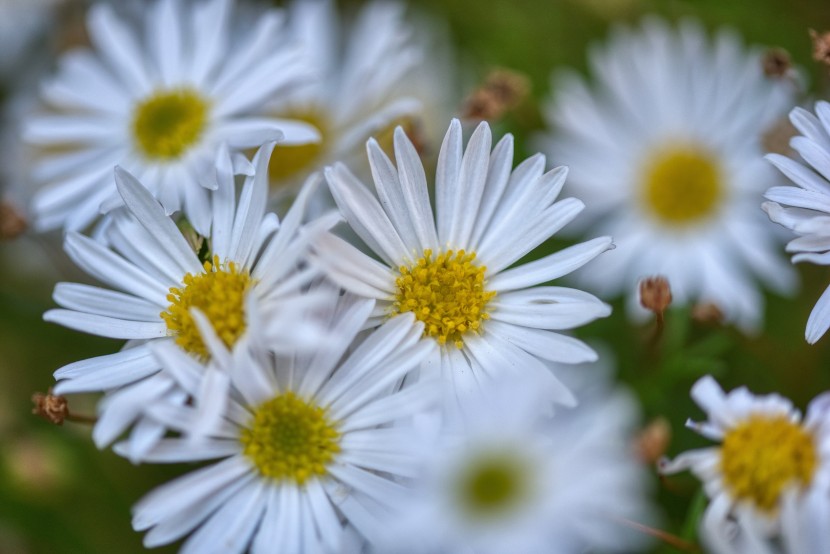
(666, 152)
(369, 74)
(243, 287)
(312, 445)
(449, 267)
(158, 100)
(509, 476)
(771, 469)
(806, 208)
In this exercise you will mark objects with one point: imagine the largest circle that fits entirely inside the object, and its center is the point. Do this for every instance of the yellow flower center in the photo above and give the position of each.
(293, 160)
(492, 485)
(446, 292)
(219, 293)
(682, 185)
(763, 455)
(291, 439)
(168, 123)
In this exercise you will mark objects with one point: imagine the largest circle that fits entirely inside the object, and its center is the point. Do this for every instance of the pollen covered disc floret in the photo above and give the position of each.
(763, 455)
(446, 292)
(168, 123)
(219, 293)
(291, 439)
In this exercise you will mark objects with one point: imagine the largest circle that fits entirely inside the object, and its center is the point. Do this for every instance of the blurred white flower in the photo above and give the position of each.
(666, 153)
(158, 100)
(371, 74)
(769, 479)
(509, 476)
(448, 266)
(313, 446)
(806, 208)
(247, 293)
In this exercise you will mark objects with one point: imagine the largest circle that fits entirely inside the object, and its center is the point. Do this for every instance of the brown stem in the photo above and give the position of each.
(668, 538)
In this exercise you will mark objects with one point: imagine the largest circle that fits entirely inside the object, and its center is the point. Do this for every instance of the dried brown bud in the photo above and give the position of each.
(821, 46)
(12, 222)
(502, 90)
(707, 312)
(651, 443)
(655, 294)
(777, 63)
(50, 407)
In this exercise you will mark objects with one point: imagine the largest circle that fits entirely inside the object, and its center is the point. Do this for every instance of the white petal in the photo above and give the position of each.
(819, 320)
(152, 217)
(550, 267)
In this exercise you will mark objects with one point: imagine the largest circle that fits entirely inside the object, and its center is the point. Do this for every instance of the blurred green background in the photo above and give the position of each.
(59, 494)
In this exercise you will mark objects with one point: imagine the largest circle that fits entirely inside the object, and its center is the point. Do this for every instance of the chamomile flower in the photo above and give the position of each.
(666, 152)
(770, 471)
(158, 99)
(369, 74)
(509, 476)
(311, 447)
(806, 207)
(244, 287)
(450, 268)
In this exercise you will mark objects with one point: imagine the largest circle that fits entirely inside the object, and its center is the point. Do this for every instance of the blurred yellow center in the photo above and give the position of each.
(386, 136)
(763, 455)
(682, 185)
(445, 292)
(291, 439)
(292, 161)
(219, 293)
(492, 485)
(167, 124)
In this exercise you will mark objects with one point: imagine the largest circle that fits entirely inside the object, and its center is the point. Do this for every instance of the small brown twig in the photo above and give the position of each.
(55, 408)
(666, 537)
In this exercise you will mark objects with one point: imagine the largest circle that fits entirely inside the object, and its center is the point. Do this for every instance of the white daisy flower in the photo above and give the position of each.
(248, 291)
(312, 446)
(807, 206)
(769, 473)
(374, 59)
(509, 476)
(158, 100)
(666, 152)
(449, 268)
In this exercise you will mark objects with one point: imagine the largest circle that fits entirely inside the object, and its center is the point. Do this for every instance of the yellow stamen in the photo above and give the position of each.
(219, 293)
(492, 485)
(763, 455)
(682, 185)
(446, 293)
(290, 161)
(291, 439)
(168, 123)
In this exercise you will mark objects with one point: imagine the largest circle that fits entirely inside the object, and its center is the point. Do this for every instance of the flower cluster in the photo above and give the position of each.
(370, 359)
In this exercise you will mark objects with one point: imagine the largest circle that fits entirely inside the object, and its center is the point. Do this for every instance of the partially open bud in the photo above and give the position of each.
(821, 46)
(12, 222)
(655, 294)
(652, 442)
(502, 91)
(707, 312)
(50, 407)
